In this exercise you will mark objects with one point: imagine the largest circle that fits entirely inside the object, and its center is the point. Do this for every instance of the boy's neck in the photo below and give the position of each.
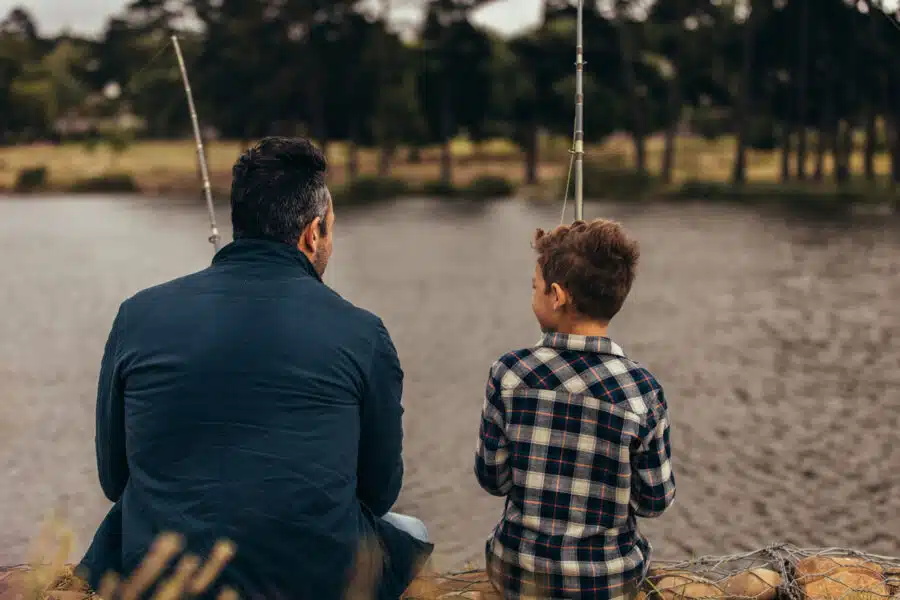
(585, 328)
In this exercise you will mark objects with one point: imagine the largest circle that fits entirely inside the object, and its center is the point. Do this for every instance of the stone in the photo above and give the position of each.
(817, 566)
(685, 586)
(760, 584)
(841, 578)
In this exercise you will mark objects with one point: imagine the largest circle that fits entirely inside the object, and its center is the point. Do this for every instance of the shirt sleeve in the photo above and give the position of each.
(653, 482)
(112, 465)
(492, 467)
(380, 463)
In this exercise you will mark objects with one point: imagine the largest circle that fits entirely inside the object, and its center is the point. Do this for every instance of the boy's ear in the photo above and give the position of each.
(560, 297)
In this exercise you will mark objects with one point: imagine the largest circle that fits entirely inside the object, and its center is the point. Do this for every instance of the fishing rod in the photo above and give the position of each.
(579, 114)
(201, 154)
(577, 150)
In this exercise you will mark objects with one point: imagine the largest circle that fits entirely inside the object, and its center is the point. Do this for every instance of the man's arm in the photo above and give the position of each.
(380, 467)
(110, 439)
(652, 482)
(492, 457)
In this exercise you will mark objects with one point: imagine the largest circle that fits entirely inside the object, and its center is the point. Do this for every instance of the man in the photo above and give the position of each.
(250, 402)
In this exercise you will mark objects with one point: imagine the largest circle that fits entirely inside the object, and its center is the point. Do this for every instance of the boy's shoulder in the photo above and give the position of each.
(615, 375)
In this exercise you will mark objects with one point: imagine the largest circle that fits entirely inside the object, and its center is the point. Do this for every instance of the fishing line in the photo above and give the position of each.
(562, 217)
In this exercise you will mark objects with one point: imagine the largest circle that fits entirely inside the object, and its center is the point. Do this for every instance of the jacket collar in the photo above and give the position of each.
(581, 343)
(253, 250)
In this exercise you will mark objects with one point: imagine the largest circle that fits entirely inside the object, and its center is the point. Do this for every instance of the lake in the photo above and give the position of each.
(777, 339)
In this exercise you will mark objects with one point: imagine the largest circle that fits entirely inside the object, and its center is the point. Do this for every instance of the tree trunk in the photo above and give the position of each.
(872, 104)
(668, 163)
(446, 138)
(893, 126)
(385, 155)
(835, 147)
(871, 141)
(635, 100)
(821, 150)
(785, 153)
(353, 149)
(739, 171)
(353, 161)
(844, 147)
(802, 100)
(532, 142)
(317, 104)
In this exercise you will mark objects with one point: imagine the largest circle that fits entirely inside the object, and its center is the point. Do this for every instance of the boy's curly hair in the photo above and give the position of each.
(594, 262)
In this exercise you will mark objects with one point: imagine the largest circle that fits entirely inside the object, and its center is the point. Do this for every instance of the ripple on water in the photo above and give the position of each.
(776, 339)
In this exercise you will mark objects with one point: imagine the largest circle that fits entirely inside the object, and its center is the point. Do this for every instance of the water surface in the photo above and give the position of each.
(776, 339)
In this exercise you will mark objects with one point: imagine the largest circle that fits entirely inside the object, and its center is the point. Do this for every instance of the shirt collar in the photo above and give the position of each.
(252, 250)
(581, 343)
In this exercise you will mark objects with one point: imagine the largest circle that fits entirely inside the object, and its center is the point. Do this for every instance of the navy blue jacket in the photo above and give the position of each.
(249, 401)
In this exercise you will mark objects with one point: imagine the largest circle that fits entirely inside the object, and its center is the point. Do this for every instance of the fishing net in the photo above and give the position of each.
(778, 572)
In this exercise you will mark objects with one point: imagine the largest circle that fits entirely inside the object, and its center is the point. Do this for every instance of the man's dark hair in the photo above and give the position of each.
(594, 262)
(278, 189)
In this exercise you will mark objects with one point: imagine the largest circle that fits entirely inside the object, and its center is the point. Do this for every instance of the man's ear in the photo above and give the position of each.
(310, 235)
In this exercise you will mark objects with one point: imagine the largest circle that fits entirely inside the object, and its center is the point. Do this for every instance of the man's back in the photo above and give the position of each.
(244, 386)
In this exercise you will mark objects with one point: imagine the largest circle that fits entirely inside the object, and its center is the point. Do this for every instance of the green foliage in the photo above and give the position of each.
(48, 88)
(490, 186)
(611, 179)
(110, 182)
(367, 189)
(440, 189)
(31, 179)
(332, 71)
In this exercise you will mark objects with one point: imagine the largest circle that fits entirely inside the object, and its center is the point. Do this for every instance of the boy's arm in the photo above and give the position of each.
(112, 465)
(652, 482)
(380, 462)
(492, 457)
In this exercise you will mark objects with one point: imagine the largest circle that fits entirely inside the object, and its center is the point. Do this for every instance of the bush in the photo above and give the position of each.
(440, 189)
(112, 182)
(605, 180)
(808, 197)
(31, 179)
(491, 186)
(370, 189)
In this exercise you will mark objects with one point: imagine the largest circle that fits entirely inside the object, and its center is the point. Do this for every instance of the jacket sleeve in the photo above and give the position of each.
(492, 467)
(380, 463)
(112, 465)
(652, 482)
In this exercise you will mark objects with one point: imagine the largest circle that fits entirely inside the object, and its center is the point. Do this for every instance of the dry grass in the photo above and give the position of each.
(777, 571)
(171, 166)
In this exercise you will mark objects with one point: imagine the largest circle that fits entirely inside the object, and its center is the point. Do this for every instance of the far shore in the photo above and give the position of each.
(494, 168)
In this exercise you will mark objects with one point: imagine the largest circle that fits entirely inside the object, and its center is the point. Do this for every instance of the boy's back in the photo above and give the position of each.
(576, 436)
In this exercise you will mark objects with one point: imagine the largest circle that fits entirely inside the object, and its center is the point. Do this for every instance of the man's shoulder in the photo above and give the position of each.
(161, 291)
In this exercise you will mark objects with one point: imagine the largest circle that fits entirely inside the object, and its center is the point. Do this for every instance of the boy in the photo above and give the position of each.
(573, 433)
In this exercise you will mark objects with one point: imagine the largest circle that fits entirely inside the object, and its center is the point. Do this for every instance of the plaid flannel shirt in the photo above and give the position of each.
(576, 437)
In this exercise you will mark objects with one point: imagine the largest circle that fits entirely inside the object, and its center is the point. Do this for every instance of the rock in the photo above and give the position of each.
(846, 585)
(817, 566)
(686, 586)
(841, 578)
(892, 579)
(760, 584)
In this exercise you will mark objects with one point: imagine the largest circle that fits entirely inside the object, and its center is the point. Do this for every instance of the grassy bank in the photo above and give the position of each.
(491, 169)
